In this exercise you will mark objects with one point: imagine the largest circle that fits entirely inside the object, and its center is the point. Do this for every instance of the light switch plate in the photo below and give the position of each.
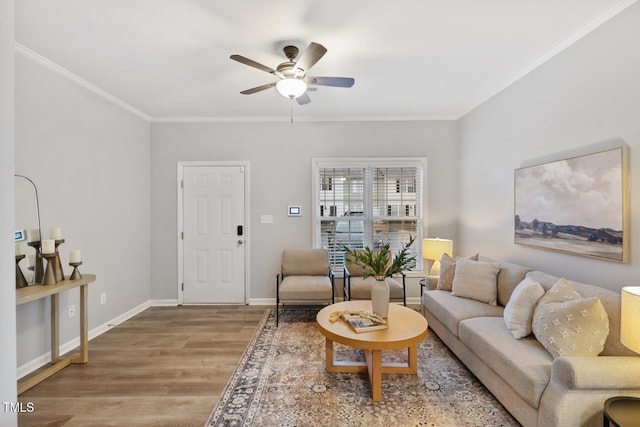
(266, 219)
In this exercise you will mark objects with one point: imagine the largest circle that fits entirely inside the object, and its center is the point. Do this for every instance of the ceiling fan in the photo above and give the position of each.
(293, 81)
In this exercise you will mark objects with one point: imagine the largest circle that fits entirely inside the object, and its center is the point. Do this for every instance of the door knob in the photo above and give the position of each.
(240, 241)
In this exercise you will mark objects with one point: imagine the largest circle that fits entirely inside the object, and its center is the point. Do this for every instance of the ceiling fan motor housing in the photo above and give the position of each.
(290, 52)
(288, 70)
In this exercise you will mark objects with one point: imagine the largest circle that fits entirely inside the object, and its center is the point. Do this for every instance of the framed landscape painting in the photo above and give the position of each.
(578, 205)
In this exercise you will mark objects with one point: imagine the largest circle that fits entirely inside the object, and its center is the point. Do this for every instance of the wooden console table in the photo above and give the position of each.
(36, 292)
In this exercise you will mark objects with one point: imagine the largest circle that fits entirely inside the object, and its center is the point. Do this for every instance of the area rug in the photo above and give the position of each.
(281, 381)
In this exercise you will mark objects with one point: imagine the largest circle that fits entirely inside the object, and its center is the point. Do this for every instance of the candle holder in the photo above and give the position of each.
(38, 271)
(76, 273)
(57, 265)
(49, 274)
(21, 282)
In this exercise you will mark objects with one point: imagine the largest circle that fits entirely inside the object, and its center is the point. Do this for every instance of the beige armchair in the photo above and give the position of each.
(357, 287)
(305, 278)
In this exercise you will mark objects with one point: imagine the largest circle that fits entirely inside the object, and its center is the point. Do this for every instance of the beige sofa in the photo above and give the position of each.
(535, 388)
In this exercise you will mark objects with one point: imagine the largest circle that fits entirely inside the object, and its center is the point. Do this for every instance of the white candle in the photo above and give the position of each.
(33, 235)
(31, 260)
(18, 250)
(74, 256)
(48, 246)
(55, 233)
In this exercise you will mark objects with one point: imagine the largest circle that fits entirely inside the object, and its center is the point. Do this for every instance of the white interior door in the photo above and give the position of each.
(214, 235)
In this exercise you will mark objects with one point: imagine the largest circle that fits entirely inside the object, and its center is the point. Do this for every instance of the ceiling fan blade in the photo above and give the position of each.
(258, 88)
(310, 56)
(303, 99)
(331, 81)
(251, 63)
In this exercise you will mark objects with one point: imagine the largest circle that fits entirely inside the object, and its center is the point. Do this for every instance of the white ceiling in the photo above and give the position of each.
(411, 59)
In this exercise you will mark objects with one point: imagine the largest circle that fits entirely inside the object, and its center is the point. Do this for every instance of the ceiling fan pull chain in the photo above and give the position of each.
(291, 106)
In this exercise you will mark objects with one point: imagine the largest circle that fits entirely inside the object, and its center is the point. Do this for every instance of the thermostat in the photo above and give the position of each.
(19, 235)
(295, 211)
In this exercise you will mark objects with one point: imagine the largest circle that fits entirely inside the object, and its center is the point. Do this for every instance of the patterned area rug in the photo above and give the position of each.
(281, 381)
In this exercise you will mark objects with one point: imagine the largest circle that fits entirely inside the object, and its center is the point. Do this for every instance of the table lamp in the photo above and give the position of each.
(433, 249)
(630, 317)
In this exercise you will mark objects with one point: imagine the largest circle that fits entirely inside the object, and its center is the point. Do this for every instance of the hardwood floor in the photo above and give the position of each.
(164, 367)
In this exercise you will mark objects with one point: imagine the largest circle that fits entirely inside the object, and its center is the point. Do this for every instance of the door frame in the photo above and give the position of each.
(180, 240)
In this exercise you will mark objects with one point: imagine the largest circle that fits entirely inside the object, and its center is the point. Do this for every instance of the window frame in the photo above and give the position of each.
(397, 162)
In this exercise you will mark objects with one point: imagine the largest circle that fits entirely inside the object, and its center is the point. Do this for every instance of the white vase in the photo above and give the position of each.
(380, 297)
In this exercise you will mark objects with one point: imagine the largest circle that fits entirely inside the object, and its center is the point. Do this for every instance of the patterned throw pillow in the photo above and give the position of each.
(518, 313)
(560, 292)
(567, 325)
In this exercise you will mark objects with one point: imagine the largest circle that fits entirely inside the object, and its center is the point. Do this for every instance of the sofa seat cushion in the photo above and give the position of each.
(303, 288)
(360, 288)
(451, 310)
(524, 364)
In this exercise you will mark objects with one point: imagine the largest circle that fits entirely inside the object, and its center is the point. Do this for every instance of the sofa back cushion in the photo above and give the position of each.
(509, 277)
(610, 301)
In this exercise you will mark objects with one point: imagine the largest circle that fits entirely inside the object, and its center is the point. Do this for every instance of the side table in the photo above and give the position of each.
(36, 292)
(423, 283)
(622, 411)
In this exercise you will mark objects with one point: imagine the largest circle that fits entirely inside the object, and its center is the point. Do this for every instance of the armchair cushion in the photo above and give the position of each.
(305, 288)
(305, 262)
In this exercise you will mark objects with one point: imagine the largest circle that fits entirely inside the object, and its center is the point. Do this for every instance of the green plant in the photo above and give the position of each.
(376, 262)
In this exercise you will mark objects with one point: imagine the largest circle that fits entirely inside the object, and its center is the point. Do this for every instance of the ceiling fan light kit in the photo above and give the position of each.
(293, 80)
(291, 87)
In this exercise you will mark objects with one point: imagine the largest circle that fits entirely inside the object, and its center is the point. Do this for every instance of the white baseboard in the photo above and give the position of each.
(414, 300)
(163, 302)
(262, 301)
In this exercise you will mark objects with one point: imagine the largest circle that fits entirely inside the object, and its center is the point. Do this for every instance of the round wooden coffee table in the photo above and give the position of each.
(405, 329)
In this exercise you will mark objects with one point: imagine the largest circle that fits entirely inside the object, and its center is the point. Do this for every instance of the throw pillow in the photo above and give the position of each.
(573, 328)
(518, 313)
(476, 280)
(560, 292)
(448, 270)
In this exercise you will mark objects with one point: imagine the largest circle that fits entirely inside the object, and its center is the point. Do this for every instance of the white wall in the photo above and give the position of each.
(280, 162)
(587, 94)
(91, 162)
(7, 264)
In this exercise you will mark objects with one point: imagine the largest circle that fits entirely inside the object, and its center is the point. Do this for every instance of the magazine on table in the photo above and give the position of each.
(363, 323)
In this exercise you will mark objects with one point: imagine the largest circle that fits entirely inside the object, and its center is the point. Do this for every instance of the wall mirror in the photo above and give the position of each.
(27, 217)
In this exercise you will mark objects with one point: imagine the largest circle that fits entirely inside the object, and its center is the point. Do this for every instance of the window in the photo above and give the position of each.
(362, 203)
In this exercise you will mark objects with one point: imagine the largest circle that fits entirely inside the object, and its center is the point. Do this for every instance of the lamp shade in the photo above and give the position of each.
(291, 87)
(630, 317)
(434, 248)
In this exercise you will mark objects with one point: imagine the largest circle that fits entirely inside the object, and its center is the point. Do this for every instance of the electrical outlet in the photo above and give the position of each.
(103, 298)
(71, 311)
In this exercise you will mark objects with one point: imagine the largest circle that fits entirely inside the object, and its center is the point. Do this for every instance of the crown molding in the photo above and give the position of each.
(280, 119)
(52, 66)
(575, 37)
